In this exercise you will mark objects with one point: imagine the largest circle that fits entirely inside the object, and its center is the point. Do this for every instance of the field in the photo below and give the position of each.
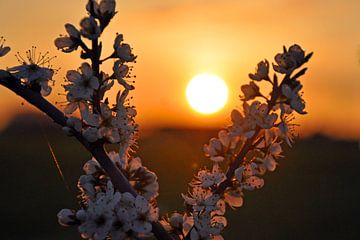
(314, 194)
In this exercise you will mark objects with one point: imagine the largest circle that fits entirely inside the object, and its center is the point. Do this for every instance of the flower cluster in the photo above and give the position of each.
(106, 212)
(238, 157)
(86, 87)
(248, 148)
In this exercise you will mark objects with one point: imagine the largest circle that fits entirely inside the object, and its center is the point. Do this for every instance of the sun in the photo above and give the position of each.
(207, 93)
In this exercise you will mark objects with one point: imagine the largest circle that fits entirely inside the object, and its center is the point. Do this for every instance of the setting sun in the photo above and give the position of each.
(207, 93)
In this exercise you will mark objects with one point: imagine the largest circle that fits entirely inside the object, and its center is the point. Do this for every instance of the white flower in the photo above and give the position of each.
(290, 60)
(3, 49)
(207, 227)
(207, 179)
(228, 141)
(236, 117)
(258, 113)
(107, 130)
(246, 171)
(296, 102)
(89, 28)
(143, 180)
(250, 91)
(214, 150)
(123, 50)
(142, 222)
(241, 127)
(82, 85)
(107, 7)
(104, 9)
(137, 211)
(246, 177)
(66, 217)
(121, 71)
(124, 121)
(97, 219)
(262, 71)
(201, 199)
(35, 71)
(121, 224)
(68, 43)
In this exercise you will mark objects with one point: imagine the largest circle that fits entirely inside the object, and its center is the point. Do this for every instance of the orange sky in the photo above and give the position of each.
(175, 40)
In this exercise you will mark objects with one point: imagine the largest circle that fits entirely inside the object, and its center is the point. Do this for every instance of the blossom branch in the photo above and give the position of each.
(96, 148)
(250, 147)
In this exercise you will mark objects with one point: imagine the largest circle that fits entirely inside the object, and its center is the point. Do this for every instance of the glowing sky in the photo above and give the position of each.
(175, 40)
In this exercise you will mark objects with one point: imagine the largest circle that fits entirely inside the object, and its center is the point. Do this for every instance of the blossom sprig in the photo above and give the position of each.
(86, 87)
(106, 213)
(246, 150)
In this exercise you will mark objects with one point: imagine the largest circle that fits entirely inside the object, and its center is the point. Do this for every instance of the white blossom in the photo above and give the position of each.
(102, 9)
(35, 70)
(121, 71)
(107, 7)
(89, 28)
(123, 50)
(142, 222)
(250, 91)
(68, 43)
(207, 227)
(97, 219)
(143, 180)
(258, 114)
(296, 102)
(262, 71)
(82, 85)
(289, 60)
(201, 199)
(207, 179)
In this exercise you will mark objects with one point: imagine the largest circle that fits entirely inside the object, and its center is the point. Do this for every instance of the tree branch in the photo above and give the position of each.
(96, 149)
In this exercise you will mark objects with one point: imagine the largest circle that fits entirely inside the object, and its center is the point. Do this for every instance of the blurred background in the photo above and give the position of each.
(315, 191)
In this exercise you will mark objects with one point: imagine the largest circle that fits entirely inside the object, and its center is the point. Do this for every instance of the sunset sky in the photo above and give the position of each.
(176, 40)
